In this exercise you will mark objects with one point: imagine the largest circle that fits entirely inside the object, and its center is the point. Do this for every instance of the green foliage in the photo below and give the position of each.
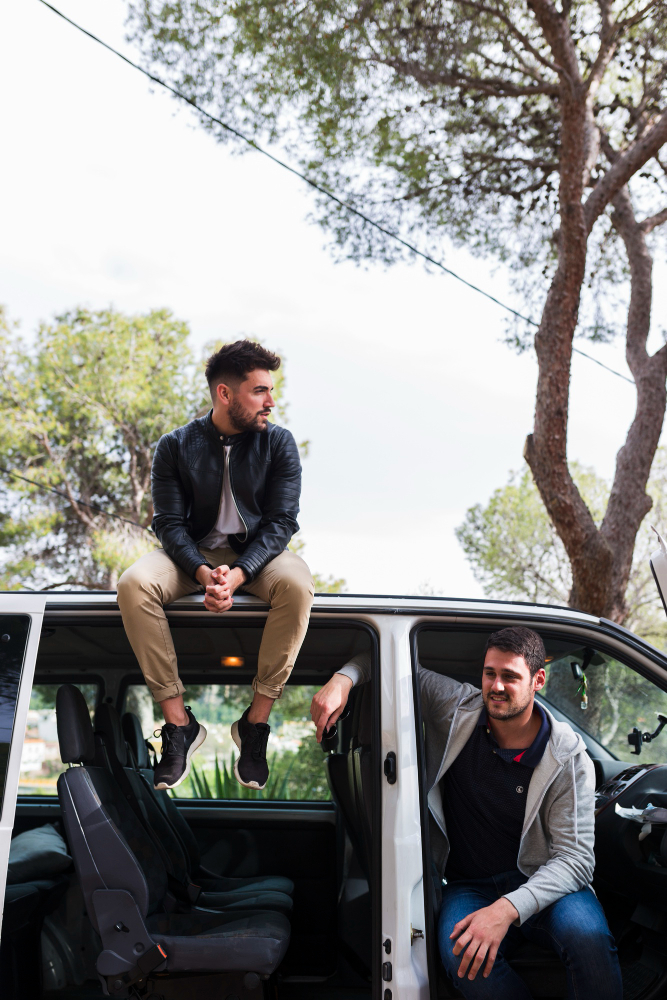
(287, 780)
(81, 410)
(516, 554)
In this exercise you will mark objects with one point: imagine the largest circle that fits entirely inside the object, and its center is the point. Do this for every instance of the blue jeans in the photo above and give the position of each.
(574, 927)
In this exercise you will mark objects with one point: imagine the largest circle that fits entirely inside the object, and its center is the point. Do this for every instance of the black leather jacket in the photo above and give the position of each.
(186, 484)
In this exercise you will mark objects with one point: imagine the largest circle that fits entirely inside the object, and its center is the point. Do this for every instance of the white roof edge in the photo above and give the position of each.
(356, 602)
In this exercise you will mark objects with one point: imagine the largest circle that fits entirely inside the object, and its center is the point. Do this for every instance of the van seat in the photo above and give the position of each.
(142, 796)
(26, 905)
(210, 881)
(144, 931)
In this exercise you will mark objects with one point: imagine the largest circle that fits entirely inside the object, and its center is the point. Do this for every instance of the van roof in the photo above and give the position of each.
(377, 603)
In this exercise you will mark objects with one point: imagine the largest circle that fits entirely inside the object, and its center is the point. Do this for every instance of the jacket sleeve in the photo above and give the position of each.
(280, 508)
(439, 694)
(570, 822)
(169, 508)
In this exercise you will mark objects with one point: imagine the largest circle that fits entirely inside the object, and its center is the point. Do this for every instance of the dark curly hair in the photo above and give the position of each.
(521, 641)
(234, 362)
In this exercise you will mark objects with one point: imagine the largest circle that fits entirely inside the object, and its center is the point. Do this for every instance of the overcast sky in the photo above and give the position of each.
(415, 409)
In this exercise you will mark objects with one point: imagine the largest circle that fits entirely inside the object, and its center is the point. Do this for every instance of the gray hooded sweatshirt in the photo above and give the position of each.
(556, 848)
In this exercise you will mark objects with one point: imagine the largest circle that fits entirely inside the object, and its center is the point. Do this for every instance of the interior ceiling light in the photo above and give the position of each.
(231, 661)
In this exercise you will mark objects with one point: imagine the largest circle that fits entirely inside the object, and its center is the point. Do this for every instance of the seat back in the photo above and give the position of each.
(137, 745)
(141, 795)
(109, 846)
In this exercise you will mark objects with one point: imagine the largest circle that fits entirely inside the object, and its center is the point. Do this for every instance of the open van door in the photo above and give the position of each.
(21, 617)
(658, 562)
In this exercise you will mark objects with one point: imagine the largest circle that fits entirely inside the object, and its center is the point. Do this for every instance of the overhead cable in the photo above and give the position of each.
(317, 187)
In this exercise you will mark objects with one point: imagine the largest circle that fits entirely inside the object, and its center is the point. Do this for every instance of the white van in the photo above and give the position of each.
(320, 887)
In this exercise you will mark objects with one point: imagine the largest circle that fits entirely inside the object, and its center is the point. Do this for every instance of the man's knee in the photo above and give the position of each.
(128, 585)
(135, 585)
(295, 583)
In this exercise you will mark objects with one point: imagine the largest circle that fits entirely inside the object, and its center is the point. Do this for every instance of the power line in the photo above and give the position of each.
(318, 187)
(76, 500)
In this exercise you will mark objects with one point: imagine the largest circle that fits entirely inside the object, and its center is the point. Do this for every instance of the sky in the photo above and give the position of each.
(399, 378)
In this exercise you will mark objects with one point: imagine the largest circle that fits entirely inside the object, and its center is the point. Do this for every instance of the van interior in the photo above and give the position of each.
(253, 894)
(630, 874)
(275, 894)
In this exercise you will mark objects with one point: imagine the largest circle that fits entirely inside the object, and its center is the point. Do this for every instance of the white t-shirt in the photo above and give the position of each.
(229, 520)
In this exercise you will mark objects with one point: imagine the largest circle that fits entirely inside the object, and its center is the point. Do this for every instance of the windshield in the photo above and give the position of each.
(607, 700)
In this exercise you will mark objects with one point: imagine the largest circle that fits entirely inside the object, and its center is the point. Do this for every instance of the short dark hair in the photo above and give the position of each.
(521, 641)
(234, 362)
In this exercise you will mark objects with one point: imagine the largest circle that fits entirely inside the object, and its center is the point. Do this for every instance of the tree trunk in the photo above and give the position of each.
(600, 559)
(629, 503)
(589, 553)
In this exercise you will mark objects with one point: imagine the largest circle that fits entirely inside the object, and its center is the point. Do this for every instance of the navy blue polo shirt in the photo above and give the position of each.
(484, 800)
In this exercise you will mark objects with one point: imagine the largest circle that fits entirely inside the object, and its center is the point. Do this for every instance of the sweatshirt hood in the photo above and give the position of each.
(564, 743)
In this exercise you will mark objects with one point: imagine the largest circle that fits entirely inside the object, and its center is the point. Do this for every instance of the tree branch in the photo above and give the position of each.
(628, 501)
(622, 169)
(649, 224)
(495, 86)
(519, 35)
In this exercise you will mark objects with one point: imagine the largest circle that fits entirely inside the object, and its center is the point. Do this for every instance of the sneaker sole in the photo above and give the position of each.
(198, 740)
(246, 784)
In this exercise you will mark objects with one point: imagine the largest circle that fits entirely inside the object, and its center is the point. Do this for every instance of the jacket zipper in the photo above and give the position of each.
(228, 459)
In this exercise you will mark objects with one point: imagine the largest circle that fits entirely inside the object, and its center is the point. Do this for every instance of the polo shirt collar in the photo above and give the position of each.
(532, 755)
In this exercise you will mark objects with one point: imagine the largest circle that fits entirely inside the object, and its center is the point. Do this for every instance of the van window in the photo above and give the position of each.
(13, 640)
(617, 698)
(40, 759)
(296, 760)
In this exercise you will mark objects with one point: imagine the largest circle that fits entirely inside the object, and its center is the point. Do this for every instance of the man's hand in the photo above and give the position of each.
(329, 702)
(480, 934)
(219, 584)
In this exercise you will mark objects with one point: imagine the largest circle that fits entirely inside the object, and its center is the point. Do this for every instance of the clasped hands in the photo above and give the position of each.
(219, 585)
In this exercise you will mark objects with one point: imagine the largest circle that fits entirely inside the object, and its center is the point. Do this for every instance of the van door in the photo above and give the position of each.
(20, 627)
(658, 561)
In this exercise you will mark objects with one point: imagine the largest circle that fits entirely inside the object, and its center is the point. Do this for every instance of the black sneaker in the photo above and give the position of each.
(178, 745)
(251, 768)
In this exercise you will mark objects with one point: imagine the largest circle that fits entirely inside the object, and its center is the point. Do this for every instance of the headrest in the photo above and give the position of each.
(107, 723)
(135, 738)
(75, 730)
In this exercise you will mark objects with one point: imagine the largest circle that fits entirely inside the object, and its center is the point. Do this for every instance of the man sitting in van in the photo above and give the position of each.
(225, 491)
(511, 795)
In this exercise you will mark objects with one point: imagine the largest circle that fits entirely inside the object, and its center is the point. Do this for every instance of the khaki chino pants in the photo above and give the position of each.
(155, 580)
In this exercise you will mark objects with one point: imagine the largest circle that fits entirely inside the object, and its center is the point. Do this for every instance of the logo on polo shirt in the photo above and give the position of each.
(519, 789)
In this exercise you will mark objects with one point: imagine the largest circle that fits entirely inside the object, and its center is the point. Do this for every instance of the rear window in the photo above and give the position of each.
(296, 760)
(40, 759)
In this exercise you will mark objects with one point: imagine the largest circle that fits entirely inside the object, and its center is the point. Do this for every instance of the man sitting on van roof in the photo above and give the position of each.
(511, 794)
(225, 491)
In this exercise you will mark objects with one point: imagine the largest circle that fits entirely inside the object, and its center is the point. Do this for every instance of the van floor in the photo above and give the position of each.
(284, 991)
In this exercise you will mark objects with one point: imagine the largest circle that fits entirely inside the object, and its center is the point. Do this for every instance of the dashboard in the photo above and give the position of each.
(624, 864)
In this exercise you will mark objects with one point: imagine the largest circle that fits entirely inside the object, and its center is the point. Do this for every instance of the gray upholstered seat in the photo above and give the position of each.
(141, 795)
(210, 881)
(126, 886)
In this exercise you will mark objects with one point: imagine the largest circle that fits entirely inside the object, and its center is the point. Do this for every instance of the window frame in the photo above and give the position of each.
(239, 675)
